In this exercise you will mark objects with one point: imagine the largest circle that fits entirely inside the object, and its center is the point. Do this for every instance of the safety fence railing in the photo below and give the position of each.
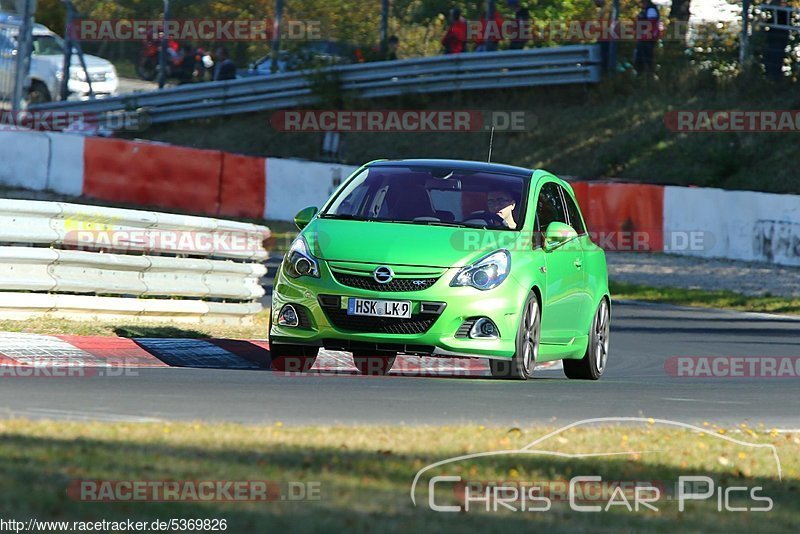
(579, 64)
(65, 260)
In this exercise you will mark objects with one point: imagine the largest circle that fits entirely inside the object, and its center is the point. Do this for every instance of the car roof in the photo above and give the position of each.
(14, 22)
(474, 166)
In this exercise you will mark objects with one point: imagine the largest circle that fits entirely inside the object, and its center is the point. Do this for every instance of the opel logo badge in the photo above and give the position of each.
(383, 275)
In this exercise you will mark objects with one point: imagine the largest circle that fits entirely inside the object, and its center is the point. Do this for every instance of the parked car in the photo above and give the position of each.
(313, 54)
(445, 258)
(47, 66)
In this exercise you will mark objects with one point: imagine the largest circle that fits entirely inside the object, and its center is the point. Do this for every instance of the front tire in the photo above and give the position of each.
(38, 94)
(290, 358)
(521, 366)
(372, 365)
(593, 364)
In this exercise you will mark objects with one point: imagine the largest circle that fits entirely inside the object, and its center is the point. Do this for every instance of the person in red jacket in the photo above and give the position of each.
(491, 33)
(455, 40)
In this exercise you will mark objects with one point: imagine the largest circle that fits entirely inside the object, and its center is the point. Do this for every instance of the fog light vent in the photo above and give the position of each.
(484, 329)
(288, 317)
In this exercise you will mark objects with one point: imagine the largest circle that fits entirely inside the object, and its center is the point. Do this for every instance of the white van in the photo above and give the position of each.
(47, 61)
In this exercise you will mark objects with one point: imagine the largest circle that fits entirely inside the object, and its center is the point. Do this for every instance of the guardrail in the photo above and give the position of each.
(63, 259)
(487, 70)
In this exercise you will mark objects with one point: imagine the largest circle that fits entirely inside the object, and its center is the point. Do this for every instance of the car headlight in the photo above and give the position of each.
(299, 261)
(487, 273)
(77, 75)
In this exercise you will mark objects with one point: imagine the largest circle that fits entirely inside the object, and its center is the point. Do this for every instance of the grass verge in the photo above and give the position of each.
(257, 329)
(706, 299)
(364, 474)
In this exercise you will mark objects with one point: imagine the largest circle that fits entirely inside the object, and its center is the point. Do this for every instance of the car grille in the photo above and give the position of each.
(417, 324)
(398, 285)
(97, 76)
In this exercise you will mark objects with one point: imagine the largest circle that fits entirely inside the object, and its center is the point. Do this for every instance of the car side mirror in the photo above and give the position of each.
(304, 217)
(558, 234)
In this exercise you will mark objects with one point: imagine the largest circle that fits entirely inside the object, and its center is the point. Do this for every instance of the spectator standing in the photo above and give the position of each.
(777, 41)
(521, 33)
(648, 29)
(455, 40)
(491, 33)
(607, 26)
(224, 68)
(392, 44)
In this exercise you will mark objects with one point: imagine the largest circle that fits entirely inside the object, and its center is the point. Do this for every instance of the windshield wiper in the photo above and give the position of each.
(344, 217)
(441, 223)
(423, 223)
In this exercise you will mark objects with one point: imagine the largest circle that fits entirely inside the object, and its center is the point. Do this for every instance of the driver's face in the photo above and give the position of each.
(501, 203)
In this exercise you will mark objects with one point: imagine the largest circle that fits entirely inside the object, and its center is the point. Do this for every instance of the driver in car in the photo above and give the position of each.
(502, 204)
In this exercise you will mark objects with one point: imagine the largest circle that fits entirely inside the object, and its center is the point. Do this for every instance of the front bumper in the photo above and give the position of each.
(80, 90)
(326, 327)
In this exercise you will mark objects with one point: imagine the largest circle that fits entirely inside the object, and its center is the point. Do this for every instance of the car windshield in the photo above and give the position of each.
(47, 45)
(432, 196)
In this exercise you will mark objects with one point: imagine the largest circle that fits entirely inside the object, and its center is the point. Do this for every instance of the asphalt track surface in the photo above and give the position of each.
(637, 384)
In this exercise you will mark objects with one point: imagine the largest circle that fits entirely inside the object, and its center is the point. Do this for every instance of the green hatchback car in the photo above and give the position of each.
(445, 258)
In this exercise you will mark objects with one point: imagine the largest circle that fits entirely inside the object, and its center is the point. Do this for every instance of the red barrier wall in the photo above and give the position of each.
(150, 174)
(243, 187)
(623, 217)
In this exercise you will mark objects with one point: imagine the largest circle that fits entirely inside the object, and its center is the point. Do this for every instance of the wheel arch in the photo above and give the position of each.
(538, 292)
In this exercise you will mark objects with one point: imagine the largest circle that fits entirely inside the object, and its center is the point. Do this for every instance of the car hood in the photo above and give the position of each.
(401, 244)
(93, 63)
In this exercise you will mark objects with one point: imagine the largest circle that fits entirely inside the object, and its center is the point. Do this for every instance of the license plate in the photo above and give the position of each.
(379, 308)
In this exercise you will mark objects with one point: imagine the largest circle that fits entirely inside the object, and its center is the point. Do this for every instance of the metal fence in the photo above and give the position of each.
(8, 66)
(776, 17)
(16, 46)
(60, 260)
(578, 64)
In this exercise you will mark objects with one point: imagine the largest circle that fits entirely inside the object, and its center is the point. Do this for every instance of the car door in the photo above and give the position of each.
(564, 289)
(583, 244)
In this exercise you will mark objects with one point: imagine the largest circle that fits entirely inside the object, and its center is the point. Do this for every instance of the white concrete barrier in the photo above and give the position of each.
(25, 158)
(296, 184)
(738, 225)
(65, 171)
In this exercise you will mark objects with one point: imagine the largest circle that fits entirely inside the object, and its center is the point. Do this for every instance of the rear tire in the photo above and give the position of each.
(147, 70)
(521, 366)
(372, 365)
(593, 364)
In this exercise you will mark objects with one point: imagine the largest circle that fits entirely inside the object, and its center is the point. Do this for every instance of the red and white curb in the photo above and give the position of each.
(43, 351)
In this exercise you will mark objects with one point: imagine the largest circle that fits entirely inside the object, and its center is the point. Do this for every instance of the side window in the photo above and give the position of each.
(550, 208)
(574, 214)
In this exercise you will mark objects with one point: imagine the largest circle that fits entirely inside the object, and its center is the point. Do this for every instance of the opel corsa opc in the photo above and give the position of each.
(445, 258)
